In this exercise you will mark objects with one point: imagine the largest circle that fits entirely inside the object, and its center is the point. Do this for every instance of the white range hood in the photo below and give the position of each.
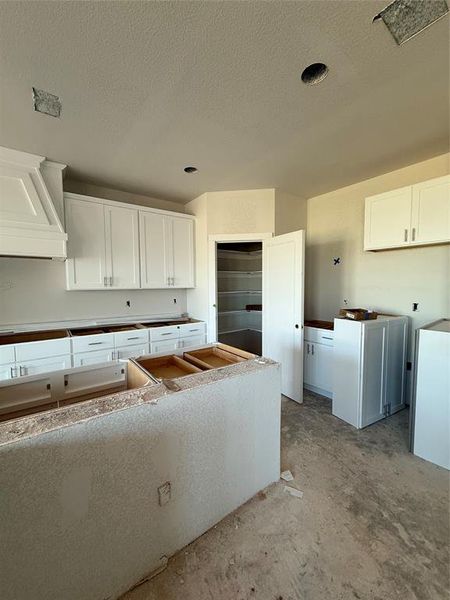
(29, 222)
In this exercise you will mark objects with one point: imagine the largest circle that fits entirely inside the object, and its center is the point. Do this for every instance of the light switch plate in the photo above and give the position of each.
(164, 493)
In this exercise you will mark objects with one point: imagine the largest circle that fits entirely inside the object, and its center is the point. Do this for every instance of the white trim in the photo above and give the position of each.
(213, 240)
(140, 207)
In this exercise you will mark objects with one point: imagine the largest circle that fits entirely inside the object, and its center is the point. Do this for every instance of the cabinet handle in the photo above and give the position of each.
(13, 372)
(324, 337)
(136, 337)
(307, 348)
(173, 281)
(413, 234)
(194, 329)
(22, 371)
(406, 235)
(312, 349)
(168, 333)
(168, 281)
(110, 281)
(105, 281)
(94, 343)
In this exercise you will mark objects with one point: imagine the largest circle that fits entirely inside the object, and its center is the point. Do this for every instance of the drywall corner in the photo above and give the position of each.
(290, 212)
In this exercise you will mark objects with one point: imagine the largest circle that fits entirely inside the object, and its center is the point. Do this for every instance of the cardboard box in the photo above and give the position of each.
(358, 314)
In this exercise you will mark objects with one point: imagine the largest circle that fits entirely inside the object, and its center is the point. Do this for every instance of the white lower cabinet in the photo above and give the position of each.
(91, 358)
(318, 361)
(189, 342)
(44, 365)
(369, 369)
(8, 371)
(164, 346)
(123, 352)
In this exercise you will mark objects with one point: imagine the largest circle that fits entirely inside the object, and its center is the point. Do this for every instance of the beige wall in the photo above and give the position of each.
(33, 291)
(290, 213)
(236, 211)
(387, 281)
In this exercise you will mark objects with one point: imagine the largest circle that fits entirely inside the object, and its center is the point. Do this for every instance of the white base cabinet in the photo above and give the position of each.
(318, 361)
(431, 427)
(369, 369)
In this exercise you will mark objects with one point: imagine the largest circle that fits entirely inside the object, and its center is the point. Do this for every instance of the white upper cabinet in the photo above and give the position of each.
(86, 264)
(167, 251)
(410, 216)
(155, 250)
(122, 247)
(431, 211)
(183, 252)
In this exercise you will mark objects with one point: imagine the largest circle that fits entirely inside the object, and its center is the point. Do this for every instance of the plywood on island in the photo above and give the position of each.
(167, 367)
(216, 357)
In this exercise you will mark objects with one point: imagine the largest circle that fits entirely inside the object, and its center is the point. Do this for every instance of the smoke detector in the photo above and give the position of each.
(407, 18)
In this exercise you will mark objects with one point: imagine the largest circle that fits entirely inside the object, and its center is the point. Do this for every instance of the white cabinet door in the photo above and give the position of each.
(122, 247)
(308, 365)
(195, 340)
(388, 219)
(45, 365)
(86, 263)
(91, 358)
(8, 371)
(132, 351)
(164, 346)
(182, 252)
(323, 366)
(154, 230)
(431, 211)
(396, 365)
(373, 392)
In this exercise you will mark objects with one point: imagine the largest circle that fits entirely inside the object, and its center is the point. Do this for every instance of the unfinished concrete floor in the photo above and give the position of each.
(373, 523)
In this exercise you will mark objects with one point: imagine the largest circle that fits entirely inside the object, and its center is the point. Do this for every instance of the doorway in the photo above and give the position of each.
(239, 295)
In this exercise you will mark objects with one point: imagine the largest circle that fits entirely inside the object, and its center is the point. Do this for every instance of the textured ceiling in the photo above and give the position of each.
(150, 87)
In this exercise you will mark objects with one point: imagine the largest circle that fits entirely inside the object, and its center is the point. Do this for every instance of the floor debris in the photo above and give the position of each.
(293, 492)
(287, 476)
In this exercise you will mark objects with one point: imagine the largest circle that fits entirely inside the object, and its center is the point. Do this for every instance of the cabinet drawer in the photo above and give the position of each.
(131, 337)
(164, 333)
(193, 340)
(35, 350)
(87, 343)
(7, 354)
(163, 346)
(92, 358)
(192, 329)
(8, 371)
(321, 336)
(23, 393)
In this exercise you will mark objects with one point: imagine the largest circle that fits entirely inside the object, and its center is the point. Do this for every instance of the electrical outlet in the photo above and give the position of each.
(174, 300)
(128, 303)
(415, 306)
(164, 493)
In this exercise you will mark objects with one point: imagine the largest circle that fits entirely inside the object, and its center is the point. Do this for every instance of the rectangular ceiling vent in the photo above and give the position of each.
(407, 18)
(46, 103)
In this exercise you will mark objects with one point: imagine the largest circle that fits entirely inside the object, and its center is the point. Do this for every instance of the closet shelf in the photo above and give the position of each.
(239, 292)
(227, 272)
(236, 312)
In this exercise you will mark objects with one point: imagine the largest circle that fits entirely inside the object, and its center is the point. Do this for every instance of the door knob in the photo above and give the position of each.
(296, 326)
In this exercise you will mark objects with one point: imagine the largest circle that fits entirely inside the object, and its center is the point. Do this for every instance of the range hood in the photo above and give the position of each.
(29, 222)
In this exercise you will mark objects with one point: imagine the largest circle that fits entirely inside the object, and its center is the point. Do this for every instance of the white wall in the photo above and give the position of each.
(80, 518)
(290, 213)
(33, 291)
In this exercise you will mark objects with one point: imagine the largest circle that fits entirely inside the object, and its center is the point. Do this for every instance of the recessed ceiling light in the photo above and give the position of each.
(315, 73)
(190, 169)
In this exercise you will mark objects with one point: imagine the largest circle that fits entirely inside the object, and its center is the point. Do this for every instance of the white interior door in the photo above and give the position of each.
(283, 276)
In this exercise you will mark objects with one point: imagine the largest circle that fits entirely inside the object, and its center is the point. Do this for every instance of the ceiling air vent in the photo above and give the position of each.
(46, 103)
(407, 18)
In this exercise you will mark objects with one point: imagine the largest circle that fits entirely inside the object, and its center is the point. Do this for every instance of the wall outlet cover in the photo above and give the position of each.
(164, 493)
